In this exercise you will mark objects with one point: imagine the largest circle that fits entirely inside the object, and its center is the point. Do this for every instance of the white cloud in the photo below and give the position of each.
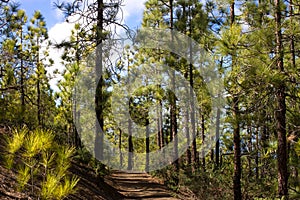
(133, 7)
(62, 31)
(58, 33)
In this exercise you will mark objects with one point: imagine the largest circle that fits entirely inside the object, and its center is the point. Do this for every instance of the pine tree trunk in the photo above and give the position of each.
(99, 138)
(38, 86)
(130, 146)
(256, 156)
(237, 152)
(217, 138)
(162, 140)
(76, 131)
(292, 38)
(293, 65)
(188, 138)
(147, 145)
(249, 130)
(173, 99)
(22, 82)
(38, 98)
(75, 112)
(130, 143)
(280, 112)
(236, 129)
(192, 110)
(218, 128)
(187, 122)
(160, 137)
(120, 149)
(158, 140)
(188, 151)
(203, 141)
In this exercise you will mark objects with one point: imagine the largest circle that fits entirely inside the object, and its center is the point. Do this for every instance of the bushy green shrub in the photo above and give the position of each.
(38, 158)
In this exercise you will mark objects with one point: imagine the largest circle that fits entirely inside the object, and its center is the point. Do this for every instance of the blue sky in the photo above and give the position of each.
(45, 6)
(132, 11)
(60, 30)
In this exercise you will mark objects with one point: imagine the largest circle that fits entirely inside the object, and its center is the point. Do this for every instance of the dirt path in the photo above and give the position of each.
(138, 186)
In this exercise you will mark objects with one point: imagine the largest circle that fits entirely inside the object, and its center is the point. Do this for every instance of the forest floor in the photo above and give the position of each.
(138, 186)
(115, 186)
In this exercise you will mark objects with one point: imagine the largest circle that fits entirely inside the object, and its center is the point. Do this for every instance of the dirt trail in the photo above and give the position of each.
(138, 186)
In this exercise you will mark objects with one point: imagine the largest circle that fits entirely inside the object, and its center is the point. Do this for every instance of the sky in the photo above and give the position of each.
(132, 11)
(59, 29)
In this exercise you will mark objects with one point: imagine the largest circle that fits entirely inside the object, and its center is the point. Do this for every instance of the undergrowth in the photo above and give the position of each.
(41, 163)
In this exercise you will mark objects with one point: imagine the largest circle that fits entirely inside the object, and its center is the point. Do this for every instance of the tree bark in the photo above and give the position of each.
(99, 138)
(75, 112)
(147, 146)
(188, 138)
(38, 85)
(237, 152)
(249, 130)
(120, 149)
(280, 112)
(173, 100)
(203, 141)
(217, 138)
(218, 129)
(130, 143)
(236, 128)
(22, 81)
(192, 110)
(256, 155)
(130, 146)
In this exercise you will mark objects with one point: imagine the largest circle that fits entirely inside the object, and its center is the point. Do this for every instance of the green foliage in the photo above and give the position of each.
(16, 142)
(38, 157)
(23, 176)
(230, 40)
(66, 188)
(56, 188)
(249, 63)
(170, 177)
(297, 148)
(49, 186)
(38, 141)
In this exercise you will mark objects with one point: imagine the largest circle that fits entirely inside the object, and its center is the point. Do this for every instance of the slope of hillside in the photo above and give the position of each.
(89, 186)
(115, 186)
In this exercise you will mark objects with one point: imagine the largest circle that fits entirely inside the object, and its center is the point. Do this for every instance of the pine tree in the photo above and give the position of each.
(231, 40)
(72, 60)
(37, 33)
(280, 113)
(95, 27)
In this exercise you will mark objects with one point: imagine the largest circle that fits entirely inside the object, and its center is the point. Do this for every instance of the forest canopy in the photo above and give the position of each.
(250, 46)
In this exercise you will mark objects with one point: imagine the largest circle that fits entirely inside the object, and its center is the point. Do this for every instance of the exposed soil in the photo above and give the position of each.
(116, 186)
(138, 186)
(90, 187)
